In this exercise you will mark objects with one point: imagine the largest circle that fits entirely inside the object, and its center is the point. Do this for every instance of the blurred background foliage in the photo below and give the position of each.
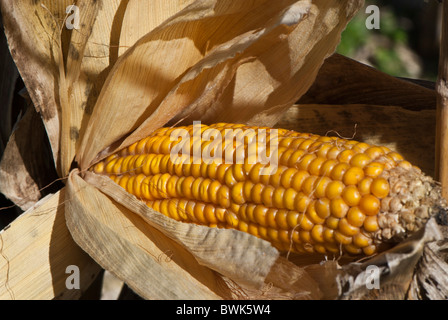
(407, 43)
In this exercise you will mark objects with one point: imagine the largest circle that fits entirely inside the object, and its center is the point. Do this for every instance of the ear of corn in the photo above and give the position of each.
(327, 195)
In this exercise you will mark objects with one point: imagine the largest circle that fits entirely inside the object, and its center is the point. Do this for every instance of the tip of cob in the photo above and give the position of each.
(413, 199)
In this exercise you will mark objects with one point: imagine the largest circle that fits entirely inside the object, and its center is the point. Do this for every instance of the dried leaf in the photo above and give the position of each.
(34, 40)
(36, 250)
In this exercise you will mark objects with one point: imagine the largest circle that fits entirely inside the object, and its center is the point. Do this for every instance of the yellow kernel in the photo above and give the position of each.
(267, 196)
(247, 190)
(237, 193)
(260, 215)
(281, 219)
(117, 167)
(333, 248)
(361, 240)
(243, 226)
(306, 144)
(322, 207)
(212, 170)
(256, 194)
(213, 189)
(380, 188)
(221, 172)
(305, 236)
(278, 198)
(289, 198)
(370, 250)
(341, 238)
(231, 219)
(209, 214)
(223, 197)
(250, 212)
(317, 233)
(360, 147)
(312, 214)
(405, 164)
(195, 170)
(332, 222)
(99, 167)
(339, 170)
(308, 185)
(374, 169)
(364, 186)
(203, 190)
(253, 229)
(295, 158)
(328, 235)
(346, 228)
(195, 188)
(229, 179)
(286, 178)
(334, 189)
(273, 234)
(371, 224)
(298, 179)
(321, 187)
(254, 173)
(374, 152)
(271, 214)
(323, 150)
(350, 248)
(285, 142)
(293, 219)
(263, 232)
(351, 196)
(302, 202)
(199, 213)
(360, 160)
(327, 167)
(355, 217)
(353, 175)
(181, 208)
(333, 153)
(305, 223)
(346, 155)
(284, 238)
(395, 156)
(275, 178)
(145, 192)
(286, 156)
(369, 204)
(315, 165)
(338, 208)
(305, 162)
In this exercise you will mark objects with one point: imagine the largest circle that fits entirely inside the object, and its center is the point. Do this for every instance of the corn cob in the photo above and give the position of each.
(326, 195)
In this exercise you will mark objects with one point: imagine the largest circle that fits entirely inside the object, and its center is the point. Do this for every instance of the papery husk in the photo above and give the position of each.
(33, 38)
(36, 250)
